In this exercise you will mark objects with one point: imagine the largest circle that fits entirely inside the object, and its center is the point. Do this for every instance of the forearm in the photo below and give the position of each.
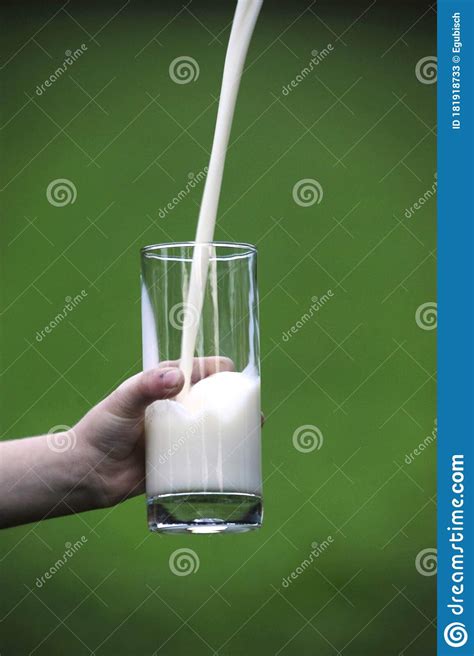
(40, 479)
(98, 463)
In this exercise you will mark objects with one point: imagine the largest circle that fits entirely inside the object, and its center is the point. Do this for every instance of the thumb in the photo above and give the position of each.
(131, 398)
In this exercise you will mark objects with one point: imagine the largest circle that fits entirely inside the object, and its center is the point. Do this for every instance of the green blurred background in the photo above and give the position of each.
(361, 371)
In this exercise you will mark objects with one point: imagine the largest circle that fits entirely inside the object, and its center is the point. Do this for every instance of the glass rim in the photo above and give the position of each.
(166, 250)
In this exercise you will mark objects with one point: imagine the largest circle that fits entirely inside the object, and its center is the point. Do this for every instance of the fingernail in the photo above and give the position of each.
(172, 378)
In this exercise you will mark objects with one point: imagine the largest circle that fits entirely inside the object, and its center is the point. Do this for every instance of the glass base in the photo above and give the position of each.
(204, 512)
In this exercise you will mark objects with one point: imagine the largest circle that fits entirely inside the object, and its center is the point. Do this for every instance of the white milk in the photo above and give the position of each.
(209, 438)
(210, 442)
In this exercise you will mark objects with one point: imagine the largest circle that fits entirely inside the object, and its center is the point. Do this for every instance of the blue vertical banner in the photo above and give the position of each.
(455, 327)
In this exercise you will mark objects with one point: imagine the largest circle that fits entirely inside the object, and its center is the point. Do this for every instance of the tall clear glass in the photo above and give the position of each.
(203, 462)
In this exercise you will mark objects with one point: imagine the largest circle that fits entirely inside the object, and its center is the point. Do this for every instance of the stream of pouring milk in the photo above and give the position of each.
(242, 28)
(209, 438)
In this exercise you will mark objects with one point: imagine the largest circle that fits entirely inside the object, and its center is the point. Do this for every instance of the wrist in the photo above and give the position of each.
(61, 465)
(85, 484)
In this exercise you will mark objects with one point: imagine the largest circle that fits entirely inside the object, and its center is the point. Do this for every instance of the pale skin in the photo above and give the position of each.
(97, 463)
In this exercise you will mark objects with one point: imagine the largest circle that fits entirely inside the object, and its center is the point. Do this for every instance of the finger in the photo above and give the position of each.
(204, 366)
(131, 398)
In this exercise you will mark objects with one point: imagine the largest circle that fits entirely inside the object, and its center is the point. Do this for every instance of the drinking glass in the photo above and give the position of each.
(203, 460)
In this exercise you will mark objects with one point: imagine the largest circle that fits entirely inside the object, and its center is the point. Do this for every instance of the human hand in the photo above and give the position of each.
(97, 463)
(110, 437)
